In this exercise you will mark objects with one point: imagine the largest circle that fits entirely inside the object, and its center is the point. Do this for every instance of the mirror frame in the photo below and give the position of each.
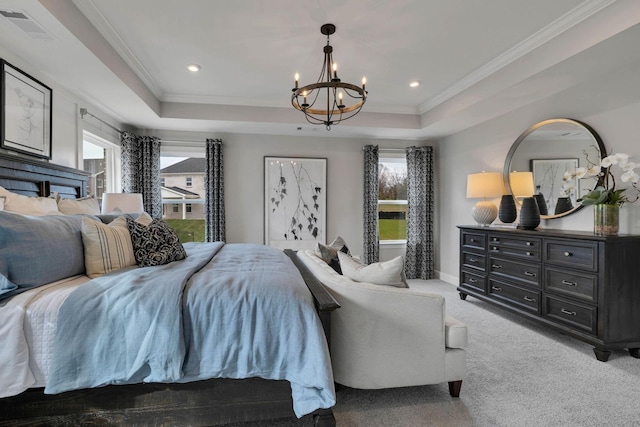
(525, 134)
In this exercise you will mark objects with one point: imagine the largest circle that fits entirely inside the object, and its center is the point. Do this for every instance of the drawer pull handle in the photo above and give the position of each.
(472, 280)
(473, 260)
(568, 313)
(495, 288)
(529, 253)
(495, 239)
(529, 299)
(496, 266)
(568, 283)
(530, 274)
(472, 240)
(529, 244)
(493, 248)
(568, 254)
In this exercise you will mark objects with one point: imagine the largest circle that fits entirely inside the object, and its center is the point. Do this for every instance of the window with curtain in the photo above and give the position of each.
(102, 159)
(392, 197)
(182, 173)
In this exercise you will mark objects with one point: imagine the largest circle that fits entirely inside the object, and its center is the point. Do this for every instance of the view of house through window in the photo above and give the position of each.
(101, 158)
(392, 198)
(183, 196)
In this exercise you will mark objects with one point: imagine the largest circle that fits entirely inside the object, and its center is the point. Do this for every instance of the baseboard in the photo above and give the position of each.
(452, 280)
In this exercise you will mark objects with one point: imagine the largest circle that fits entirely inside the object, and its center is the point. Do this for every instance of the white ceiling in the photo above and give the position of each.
(475, 59)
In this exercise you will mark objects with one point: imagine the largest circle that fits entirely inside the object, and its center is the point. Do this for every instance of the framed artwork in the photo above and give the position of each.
(547, 179)
(25, 113)
(295, 202)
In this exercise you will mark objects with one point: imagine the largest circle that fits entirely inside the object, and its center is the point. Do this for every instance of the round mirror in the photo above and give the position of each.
(549, 149)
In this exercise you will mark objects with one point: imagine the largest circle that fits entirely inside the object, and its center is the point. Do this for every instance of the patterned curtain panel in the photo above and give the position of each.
(141, 170)
(214, 192)
(370, 237)
(419, 255)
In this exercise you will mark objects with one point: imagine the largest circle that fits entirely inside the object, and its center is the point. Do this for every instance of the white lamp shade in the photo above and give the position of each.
(521, 184)
(484, 185)
(122, 202)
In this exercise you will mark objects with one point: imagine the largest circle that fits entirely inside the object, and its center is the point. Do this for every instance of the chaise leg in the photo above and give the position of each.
(324, 418)
(454, 388)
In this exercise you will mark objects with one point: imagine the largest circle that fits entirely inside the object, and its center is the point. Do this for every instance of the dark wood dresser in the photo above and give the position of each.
(584, 285)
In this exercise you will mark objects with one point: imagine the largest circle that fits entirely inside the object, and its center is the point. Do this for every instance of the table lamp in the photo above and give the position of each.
(484, 185)
(122, 202)
(521, 184)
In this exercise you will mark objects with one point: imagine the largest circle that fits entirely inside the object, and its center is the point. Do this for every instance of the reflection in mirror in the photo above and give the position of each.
(548, 149)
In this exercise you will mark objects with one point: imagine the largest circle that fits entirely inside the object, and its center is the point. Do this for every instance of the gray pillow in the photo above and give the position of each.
(38, 250)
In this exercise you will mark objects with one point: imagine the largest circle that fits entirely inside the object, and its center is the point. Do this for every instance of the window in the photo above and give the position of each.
(182, 168)
(102, 159)
(162, 184)
(392, 198)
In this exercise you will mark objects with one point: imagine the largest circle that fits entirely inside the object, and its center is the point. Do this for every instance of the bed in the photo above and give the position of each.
(194, 396)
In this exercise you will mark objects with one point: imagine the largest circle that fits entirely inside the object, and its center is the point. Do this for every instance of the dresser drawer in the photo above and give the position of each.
(476, 282)
(523, 298)
(523, 248)
(582, 255)
(571, 283)
(582, 317)
(475, 261)
(526, 274)
(476, 241)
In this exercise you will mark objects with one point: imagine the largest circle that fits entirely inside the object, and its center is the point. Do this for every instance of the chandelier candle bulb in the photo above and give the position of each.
(296, 77)
(364, 81)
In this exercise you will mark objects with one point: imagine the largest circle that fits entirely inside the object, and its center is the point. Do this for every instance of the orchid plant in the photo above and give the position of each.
(605, 191)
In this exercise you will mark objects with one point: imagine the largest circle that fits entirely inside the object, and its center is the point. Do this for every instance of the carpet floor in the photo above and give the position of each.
(520, 373)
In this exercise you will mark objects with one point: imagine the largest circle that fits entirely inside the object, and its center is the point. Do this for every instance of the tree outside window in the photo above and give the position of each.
(392, 199)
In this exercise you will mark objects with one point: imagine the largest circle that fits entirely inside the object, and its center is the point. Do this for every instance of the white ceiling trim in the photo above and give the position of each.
(546, 34)
(89, 9)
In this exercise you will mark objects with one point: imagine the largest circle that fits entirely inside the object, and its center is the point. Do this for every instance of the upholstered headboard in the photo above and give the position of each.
(36, 178)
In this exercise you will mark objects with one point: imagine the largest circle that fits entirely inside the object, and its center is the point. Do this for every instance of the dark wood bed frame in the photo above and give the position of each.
(202, 403)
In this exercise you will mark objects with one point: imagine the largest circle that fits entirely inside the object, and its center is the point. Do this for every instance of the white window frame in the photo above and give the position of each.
(390, 157)
(112, 160)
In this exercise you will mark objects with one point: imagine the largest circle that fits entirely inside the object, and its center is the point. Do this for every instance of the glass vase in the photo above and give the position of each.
(606, 219)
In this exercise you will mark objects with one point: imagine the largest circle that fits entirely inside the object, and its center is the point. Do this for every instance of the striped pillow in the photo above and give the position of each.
(108, 247)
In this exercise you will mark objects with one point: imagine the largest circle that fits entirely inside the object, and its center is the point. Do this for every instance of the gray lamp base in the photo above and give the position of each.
(484, 213)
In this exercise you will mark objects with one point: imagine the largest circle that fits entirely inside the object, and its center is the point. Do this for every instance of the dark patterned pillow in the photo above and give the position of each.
(155, 244)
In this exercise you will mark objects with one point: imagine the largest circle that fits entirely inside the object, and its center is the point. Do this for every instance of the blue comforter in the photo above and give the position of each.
(226, 311)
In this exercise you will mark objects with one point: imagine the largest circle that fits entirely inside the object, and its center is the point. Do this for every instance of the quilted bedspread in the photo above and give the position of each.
(226, 311)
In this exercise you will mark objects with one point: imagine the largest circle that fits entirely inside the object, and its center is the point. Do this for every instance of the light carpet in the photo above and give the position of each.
(520, 374)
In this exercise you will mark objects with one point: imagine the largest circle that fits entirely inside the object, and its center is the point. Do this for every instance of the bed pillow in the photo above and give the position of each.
(35, 250)
(26, 205)
(390, 273)
(108, 247)
(84, 205)
(155, 244)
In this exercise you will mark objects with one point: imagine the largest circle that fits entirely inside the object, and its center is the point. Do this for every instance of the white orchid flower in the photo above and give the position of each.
(630, 176)
(614, 159)
(592, 171)
(581, 172)
(629, 166)
(568, 175)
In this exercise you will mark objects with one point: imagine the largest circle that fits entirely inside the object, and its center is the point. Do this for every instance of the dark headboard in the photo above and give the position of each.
(37, 178)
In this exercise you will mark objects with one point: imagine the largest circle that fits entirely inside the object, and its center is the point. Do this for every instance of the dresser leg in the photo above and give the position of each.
(601, 354)
(635, 352)
(463, 297)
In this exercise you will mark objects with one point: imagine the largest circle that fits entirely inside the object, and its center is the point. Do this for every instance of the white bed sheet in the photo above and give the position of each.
(27, 327)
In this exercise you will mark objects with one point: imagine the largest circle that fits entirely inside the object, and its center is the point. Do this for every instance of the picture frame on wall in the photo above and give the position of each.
(548, 179)
(25, 113)
(295, 202)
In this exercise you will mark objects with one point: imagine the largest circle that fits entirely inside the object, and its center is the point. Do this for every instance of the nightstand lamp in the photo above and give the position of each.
(122, 202)
(482, 186)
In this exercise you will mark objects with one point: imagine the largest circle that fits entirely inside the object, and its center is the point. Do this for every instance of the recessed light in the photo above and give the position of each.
(414, 83)
(194, 68)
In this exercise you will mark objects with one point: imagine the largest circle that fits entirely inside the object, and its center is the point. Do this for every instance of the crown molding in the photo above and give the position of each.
(570, 19)
(91, 11)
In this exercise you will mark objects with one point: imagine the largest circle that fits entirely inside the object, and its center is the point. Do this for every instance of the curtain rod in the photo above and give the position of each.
(84, 112)
(388, 149)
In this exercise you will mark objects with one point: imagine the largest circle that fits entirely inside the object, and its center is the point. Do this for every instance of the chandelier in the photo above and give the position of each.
(329, 101)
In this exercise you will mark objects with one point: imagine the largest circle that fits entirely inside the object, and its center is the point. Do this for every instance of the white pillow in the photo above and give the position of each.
(108, 247)
(84, 205)
(26, 205)
(390, 273)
